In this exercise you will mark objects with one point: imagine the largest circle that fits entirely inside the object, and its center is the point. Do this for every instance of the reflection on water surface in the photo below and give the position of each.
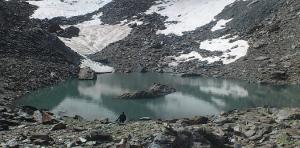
(194, 96)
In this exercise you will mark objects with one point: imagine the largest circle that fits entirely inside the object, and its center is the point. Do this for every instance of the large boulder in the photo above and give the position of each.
(87, 73)
(70, 32)
(279, 75)
(41, 139)
(156, 90)
(98, 136)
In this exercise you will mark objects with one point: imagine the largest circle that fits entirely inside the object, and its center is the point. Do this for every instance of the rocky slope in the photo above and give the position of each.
(270, 27)
(30, 57)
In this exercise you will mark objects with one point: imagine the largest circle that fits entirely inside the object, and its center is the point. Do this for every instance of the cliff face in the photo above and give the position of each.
(30, 57)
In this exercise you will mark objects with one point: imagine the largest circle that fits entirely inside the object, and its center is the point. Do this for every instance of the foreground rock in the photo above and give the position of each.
(256, 127)
(156, 90)
(87, 73)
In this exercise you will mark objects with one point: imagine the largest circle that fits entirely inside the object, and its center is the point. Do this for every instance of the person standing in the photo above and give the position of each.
(121, 118)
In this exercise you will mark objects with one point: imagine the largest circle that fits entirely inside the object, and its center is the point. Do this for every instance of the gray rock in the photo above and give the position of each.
(9, 122)
(87, 73)
(44, 117)
(259, 44)
(287, 114)
(41, 139)
(4, 127)
(261, 58)
(279, 75)
(12, 143)
(70, 32)
(98, 136)
(250, 133)
(195, 120)
(58, 126)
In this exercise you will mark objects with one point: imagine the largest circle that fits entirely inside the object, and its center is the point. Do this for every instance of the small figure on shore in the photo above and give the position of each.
(121, 118)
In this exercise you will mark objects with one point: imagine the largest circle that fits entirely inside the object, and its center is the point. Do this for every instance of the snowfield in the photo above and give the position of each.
(189, 14)
(232, 50)
(67, 8)
(221, 24)
(94, 36)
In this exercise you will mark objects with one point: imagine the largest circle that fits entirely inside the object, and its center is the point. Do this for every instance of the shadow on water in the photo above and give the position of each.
(194, 96)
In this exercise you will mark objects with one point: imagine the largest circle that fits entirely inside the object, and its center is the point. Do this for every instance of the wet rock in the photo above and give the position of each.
(58, 126)
(98, 136)
(156, 90)
(87, 73)
(190, 75)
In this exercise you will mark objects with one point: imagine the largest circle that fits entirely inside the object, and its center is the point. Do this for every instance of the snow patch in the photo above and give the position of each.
(67, 8)
(221, 24)
(189, 14)
(96, 66)
(232, 50)
(93, 37)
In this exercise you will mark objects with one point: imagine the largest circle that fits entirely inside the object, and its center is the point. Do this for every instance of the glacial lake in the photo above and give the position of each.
(96, 99)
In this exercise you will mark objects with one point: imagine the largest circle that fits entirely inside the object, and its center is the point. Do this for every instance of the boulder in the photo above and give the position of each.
(41, 139)
(58, 126)
(70, 32)
(279, 75)
(87, 73)
(195, 121)
(8, 122)
(156, 90)
(98, 136)
(43, 117)
(54, 28)
(4, 127)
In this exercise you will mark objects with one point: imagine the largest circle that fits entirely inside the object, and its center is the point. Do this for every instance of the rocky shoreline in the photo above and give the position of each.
(254, 127)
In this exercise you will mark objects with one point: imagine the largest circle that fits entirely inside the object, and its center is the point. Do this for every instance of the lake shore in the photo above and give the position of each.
(254, 127)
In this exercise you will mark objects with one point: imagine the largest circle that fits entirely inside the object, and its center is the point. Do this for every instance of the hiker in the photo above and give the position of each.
(121, 118)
